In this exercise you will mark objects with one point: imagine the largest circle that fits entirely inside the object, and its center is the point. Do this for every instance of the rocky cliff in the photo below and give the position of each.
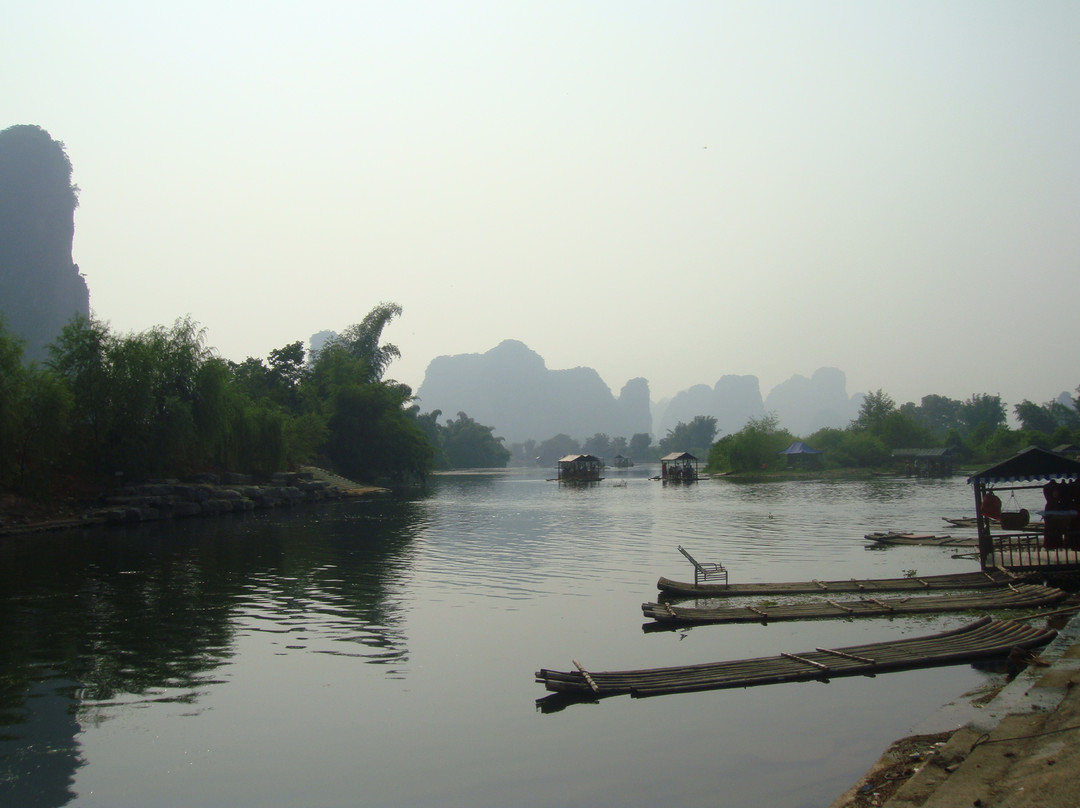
(511, 388)
(40, 286)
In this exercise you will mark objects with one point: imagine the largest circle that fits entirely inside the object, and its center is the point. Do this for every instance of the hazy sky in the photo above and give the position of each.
(674, 190)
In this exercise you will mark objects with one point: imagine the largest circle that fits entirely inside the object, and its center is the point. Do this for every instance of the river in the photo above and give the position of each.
(380, 652)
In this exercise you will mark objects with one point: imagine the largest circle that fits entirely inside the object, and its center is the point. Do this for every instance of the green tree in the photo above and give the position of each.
(639, 445)
(80, 357)
(278, 379)
(829, 441)
(898, 430)
(216, 403)
(1046, 417)
(696, 436)
(999, 443)
(561, 445)
(1062, 434)
(362, 341)
(467, 444)
(287, 364)
(528, 452)
(161, 402)
(43, 429)
(876, 407)
(755, 447)
(862, 449)
(252, 378)
(893, 427)
(982, 411)
(154, 376)
(599, 445)
(12, 401)
(428, 423)
(373, 428)
(260, 431)
(524, 453)
(1034, 417)
(937, 413)
(1064, 414)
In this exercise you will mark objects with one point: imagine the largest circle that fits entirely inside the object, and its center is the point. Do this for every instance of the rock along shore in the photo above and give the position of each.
(1022, 750)
(204, 495)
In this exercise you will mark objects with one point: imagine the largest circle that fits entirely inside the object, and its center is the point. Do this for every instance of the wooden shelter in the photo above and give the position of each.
(580, 468)
(936, 462)
(679, 467)
(1017, 543)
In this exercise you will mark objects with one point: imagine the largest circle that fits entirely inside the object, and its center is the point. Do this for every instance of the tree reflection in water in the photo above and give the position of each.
(113, 616)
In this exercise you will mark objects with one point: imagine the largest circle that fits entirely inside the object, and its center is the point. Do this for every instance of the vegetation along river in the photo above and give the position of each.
(380, 652)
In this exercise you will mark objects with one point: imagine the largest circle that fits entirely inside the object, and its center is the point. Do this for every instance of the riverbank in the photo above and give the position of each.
(1021, 750)
(204, 495)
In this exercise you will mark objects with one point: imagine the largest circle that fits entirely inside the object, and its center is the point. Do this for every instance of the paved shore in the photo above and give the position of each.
(1022, 750)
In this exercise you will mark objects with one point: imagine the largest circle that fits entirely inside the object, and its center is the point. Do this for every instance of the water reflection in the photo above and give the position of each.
(99, 619)
(310, 656)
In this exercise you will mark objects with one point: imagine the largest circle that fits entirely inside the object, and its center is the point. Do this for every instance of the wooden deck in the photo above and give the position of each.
(967, 580)
(982, 639)
(1026, 552)
(1023, 596)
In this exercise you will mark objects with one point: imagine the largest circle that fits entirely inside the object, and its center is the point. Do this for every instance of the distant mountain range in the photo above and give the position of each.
(511, 388)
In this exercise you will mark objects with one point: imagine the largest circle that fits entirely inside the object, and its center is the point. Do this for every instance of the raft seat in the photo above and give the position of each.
(705, 571)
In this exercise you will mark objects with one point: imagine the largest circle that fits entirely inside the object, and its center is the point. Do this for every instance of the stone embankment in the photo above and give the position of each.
(1020, 750)
(205, 495)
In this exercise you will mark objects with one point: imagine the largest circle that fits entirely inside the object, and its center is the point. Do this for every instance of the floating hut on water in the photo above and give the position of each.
(621, 462)
(1017, 543)
(925, 462)
(679, 467)
(580, 468)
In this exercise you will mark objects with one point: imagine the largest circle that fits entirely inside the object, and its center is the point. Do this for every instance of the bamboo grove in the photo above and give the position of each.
(160, 403)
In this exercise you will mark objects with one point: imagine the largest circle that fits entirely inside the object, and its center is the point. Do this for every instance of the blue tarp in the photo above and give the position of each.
(798, 447)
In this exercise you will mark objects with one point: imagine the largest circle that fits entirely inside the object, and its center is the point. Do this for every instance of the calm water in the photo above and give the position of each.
(381, 652)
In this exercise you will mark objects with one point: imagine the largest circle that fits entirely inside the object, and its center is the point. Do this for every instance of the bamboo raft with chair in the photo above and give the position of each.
(985, 638)
(965, 580)
(1023, 596)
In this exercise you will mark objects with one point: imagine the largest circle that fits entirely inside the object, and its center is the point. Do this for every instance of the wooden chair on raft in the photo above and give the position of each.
(705, 571)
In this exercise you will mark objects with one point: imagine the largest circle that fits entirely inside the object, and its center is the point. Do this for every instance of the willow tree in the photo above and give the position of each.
(141, 402)
(12, 377)
(80, 357)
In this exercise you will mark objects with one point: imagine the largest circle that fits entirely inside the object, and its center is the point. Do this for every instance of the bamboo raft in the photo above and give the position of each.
(964, 580)
(1024, 596)
(973, 523)
(923, 539)
(979, 640)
